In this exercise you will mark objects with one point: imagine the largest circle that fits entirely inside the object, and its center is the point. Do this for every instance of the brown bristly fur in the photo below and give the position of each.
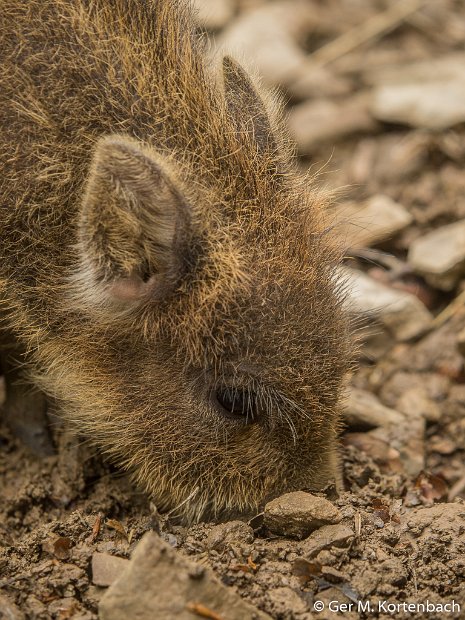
(157, 244)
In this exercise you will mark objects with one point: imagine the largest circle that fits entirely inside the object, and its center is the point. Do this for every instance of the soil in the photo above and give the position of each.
(408, 527)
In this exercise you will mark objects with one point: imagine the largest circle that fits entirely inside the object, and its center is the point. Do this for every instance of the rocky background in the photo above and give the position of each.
(376, 104)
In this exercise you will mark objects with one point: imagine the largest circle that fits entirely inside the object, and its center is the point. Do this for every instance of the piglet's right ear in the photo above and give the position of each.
(133, 227)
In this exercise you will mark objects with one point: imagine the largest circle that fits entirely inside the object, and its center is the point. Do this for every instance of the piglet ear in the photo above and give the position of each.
(246, 107)
(133, 225)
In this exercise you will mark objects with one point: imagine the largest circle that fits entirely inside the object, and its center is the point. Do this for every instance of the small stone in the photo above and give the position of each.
(160, 583)
(408, 439)
(233, 532)
(268, 36)
(378, 448)
(372, 221)
(403, 315)
(338, 535)
(314, 122)
(107, 568)
(428, 94)
(363, 408)
(299, 513)
(416, 402)
(439, 256)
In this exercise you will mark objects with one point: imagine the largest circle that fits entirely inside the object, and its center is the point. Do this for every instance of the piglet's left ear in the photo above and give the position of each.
(133, 225)
(245, 105)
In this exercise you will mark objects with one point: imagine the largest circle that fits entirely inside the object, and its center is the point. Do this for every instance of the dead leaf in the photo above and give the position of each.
(251, 563)
(245, 568)
(113, 524)
(203, 612)
(430, 487)
(59, 547)
(96, 527)
(306, 569)
(381, 510)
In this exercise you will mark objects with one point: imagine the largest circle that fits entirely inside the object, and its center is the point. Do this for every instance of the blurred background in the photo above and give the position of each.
(375, 93)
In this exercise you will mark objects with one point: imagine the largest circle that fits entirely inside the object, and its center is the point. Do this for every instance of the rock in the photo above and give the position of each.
(107, 568)
(435, 386)
(374, 220)
(408, 438)
(213, 14)
(397, 444)
(439, 256)
(318, 121)
(268, 36)
(416, 402)
(436, 105)
(298, 513)
(160, 583)
(226, 533)
(377, 448)
(363, 408)
(428, 94)
(338, 535)
(401, 314)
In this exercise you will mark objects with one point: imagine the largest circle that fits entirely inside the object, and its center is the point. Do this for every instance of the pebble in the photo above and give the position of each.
(322, 120)
(428, 94)
(402, 314)
(416, 401)
(408, 439)
(160, 583)
(268, 37)
(338, 535)
(232, 532)
(378, 448)
(439, 256)
(107, 568)
(372, 221)
(363, 408)
(298, 514)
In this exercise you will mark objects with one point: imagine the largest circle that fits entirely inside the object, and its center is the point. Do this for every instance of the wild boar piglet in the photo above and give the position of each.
(167, 278)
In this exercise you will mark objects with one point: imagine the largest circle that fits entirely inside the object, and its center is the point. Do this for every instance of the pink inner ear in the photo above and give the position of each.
(127, 289)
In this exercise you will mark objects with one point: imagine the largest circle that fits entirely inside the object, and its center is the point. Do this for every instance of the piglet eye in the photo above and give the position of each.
(237, 404)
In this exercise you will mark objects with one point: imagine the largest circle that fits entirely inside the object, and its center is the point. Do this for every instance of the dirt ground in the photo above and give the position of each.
(402, 534)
